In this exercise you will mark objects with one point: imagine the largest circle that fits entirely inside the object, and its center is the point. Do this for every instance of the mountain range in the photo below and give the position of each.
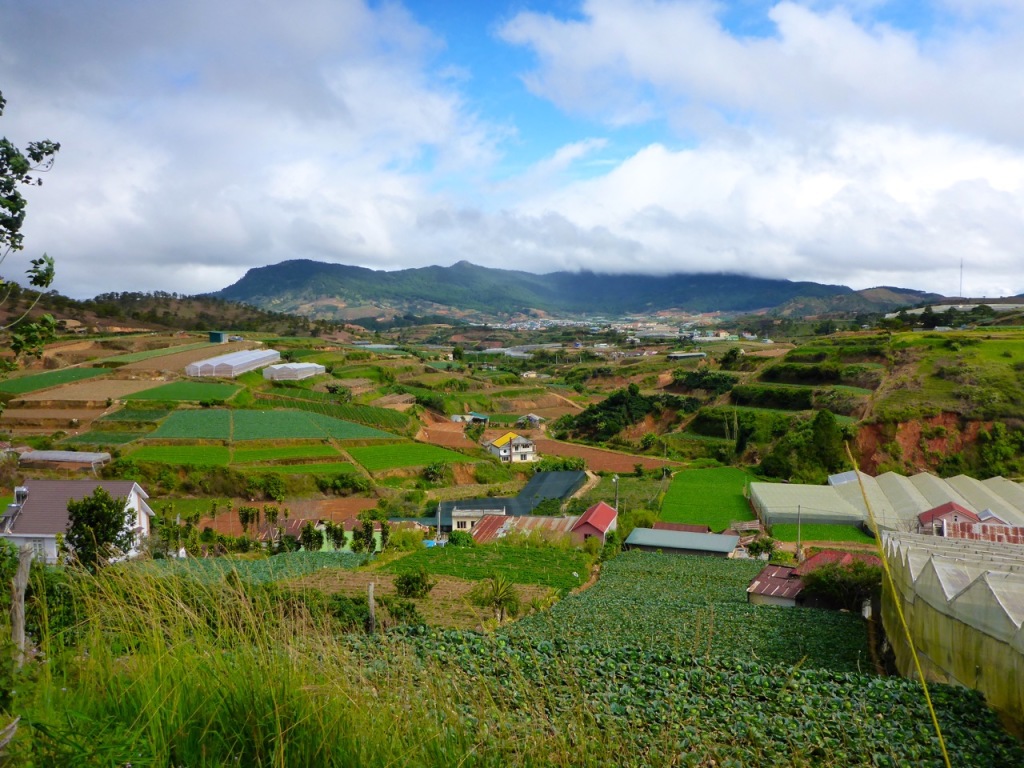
(465, 290)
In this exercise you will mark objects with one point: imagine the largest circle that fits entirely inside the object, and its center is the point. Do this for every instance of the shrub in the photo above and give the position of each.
(460, 539)
(416, 584)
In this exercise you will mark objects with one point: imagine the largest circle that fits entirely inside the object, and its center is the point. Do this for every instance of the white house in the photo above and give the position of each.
(511, 447)
(40, 512)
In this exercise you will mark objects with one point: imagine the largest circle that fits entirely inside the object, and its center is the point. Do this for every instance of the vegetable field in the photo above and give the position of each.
(26, 384)
(198, 455)
(282, 453)
(187, 391)
(137, 414)
(104, 437)
(545, 566)
(399, 455)
(326, 469)
(698, 605)
(712, 497)
(327, 405)
(262, 571)
(223, 424)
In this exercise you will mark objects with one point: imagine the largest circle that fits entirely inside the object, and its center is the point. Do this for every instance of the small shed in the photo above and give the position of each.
(681, 542)
(218, 337)
(775, 585)
(596, 522)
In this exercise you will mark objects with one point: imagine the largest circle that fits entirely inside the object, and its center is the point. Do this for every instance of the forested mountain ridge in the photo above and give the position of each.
(338, 291)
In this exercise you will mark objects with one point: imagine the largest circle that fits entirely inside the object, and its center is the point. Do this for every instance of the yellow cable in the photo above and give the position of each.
(896, 599)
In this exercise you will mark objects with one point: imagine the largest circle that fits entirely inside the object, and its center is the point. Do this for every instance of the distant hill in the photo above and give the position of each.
(880, 299)
(340, 292)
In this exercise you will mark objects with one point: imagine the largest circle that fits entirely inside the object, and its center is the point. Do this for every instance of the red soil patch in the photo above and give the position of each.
(872, 439)
(599, 459)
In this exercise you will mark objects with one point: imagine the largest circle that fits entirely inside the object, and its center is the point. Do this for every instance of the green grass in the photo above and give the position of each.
(398, 455)
(188, 391)
(25, 384)
(204, 424)
(821, 532)
(547, 566)
(265, 570)
(281, 453)
(712, 497)
(199, 455)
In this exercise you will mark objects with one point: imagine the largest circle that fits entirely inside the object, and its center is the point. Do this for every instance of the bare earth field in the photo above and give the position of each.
(599, 459)
(91, 390)
(49, 417)
(178, 360)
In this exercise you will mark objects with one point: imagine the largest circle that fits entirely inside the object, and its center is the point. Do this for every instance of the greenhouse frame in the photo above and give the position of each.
(292, 371)
(233, 364)
(963, 602)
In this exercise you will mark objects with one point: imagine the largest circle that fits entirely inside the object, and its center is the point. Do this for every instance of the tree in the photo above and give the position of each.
(499, 594)
(98, 525)
(311, 539)
(844, 586)
(21, 168)
(827, 441)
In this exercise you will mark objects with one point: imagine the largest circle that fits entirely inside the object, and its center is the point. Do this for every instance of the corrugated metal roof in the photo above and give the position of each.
(602, 516)
(663, 526)
(697, 542)
(776, 581)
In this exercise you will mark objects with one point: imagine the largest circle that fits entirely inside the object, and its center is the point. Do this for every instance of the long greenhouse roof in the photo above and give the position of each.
(241, 357)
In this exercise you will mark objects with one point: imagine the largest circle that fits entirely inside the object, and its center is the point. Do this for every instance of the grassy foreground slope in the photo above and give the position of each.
(155, 667)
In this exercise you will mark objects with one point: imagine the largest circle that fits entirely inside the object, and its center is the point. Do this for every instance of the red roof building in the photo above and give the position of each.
(596, 522)
(684, 527)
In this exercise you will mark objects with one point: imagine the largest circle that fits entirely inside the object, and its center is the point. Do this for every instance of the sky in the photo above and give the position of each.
(860, 143)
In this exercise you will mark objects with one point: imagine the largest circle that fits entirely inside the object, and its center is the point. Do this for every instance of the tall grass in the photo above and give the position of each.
(168, 671)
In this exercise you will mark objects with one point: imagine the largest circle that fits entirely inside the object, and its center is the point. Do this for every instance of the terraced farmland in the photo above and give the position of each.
(282, 453)
(197, 455)
(692, 604)
(223, 424)
(377, 458)
(212, 424)
(26, 384)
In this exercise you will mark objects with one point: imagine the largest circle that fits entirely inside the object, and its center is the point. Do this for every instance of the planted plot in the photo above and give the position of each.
(188, 391)
(264, 571)
(693, 604)
(134, 357)
(821, 532)
(39, 381)
(326, 469)
(281, 453)
(548, 566)
(377, 458)
(712, 497)
(138, 415)
(294, 425)
(198, 455)
(327, 405)
(212, 424)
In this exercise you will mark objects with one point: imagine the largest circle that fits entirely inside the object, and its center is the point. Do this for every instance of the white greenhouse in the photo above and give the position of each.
(233, 364)
(292, 371)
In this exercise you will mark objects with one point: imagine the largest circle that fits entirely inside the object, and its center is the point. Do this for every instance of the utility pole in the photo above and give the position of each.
(798, 533)
(615, 480)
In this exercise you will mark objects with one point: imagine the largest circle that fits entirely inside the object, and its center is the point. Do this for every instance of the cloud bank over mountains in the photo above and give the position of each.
(864, 143)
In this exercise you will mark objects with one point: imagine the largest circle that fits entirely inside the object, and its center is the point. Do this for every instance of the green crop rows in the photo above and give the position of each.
(263, 571)
(712, 497)
(668, 708)
(327, 405)
(326, 469)
(380, 457)
(223, 424)
(546, 566)
(38, 381)
(212, 424)
(198, 455)
(821, 532)
(699, 605)
(98, 437)
(282, 453)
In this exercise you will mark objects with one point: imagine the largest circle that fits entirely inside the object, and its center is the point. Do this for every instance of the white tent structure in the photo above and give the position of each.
(292, 371)
(233, 364)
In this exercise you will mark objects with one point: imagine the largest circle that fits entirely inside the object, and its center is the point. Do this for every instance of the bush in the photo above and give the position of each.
(460, 539)
(417, 584)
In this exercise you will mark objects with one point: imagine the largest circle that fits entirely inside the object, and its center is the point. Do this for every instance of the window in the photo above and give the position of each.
(38, 549)
(461, 525)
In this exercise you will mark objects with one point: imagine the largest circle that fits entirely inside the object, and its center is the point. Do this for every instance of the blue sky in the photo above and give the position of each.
(863, 143)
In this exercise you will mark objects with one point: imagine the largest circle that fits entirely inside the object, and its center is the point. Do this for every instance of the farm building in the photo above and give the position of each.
(681, 542)
(39, 513)
(233, 364)
(896, 501)
(493, 527)
(292, 371)
(512, 448)
(55, 459)
(782, 585)
(596, 522)
(964, 604)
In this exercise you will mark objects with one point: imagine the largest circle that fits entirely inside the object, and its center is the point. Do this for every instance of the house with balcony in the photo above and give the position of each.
(512, 448)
